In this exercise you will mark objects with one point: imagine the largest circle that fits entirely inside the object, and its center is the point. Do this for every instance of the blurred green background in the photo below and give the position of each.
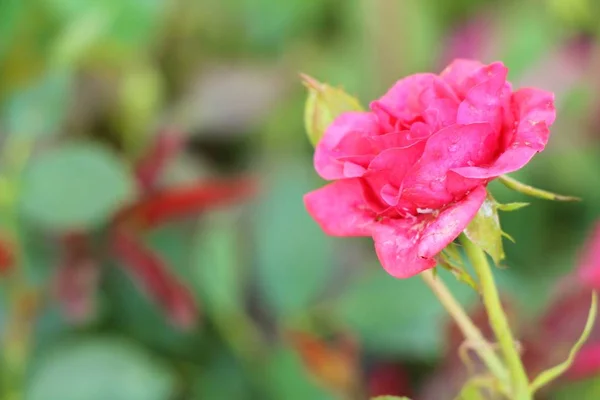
(87, 90)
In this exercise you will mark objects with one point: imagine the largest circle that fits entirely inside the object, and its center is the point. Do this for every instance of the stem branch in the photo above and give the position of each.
(467, 327)
(498, 320)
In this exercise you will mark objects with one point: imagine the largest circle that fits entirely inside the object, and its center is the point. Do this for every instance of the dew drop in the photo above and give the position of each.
(452, 148)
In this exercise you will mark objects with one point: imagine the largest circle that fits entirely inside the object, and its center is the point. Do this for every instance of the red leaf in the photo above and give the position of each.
(7, 256)
(166, 145)
(173, 203)
(388, 379)
(150, 271)
(77, 277)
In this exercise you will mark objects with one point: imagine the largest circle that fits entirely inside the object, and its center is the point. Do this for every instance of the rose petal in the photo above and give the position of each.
(396, 244)
(388, 169)
(535, 111)
(460, 75)
(441, 113)
(333, 146)
(406, 247)
(532, 107)
(340, 209)
(426, 185)
(485, 101)
(403, 103)
(450, 223)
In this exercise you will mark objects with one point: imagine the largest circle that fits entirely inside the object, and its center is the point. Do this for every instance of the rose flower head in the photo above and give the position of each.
(412, 171)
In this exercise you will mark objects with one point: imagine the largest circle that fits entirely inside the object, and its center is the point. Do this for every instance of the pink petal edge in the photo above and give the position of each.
(406, 248)
(339, 209)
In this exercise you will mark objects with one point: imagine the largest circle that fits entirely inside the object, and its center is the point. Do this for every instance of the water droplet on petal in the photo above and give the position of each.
(452, 148)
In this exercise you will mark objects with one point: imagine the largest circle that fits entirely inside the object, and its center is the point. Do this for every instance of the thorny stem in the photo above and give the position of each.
(498, 321)
(467, 327)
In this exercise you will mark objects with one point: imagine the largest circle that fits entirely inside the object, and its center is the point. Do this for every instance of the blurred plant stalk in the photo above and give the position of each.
(480, 345)
(519, 383)
(20, 296)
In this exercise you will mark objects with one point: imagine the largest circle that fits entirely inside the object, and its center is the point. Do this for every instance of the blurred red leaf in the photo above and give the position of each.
(388, 379)
(7, 256)
(76, 281)
(172, 203)
(151, 272)
(164, 148)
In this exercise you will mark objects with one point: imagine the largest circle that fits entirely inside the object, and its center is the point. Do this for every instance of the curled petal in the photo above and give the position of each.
(462, 75)
(387, 171)
(340, 210)
(403, 103)
(486, 101)
(450, 223)
(441, 113)
(426, 185)
(396, 244)
(345, 137)
(532, 108)
(534, 112)
(407, 247)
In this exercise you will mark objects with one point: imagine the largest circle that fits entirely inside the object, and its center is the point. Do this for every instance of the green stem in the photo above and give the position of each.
(498, 320)
(467, 327)
(520, 187)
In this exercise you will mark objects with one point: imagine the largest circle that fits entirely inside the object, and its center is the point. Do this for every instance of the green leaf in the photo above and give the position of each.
(216, 267)
(399, 317)
(75, 186)
(219, 277)
(222, 377)
(458, 271)
(511, 206)
(551, 374)
(10, 13)
(323, 104)
(79, 36)
(125, 25)
(39, 110)
(98, 369)
(134, 313)
(294, 255)
(484, 230)
(517, 186)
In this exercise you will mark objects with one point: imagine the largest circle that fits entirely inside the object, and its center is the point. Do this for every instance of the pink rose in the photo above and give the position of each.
(412, 171)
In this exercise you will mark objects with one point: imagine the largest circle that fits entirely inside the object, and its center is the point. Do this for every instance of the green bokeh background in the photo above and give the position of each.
(94, 80)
